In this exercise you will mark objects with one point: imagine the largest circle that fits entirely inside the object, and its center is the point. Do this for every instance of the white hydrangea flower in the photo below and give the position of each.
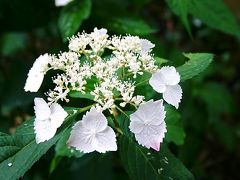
(166, 81)
(148, 124)
(62, 2)
(93, 134)
(47, 120)
(36, 73)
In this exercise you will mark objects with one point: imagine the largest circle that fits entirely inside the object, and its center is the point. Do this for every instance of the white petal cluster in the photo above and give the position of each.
(62, 2)
(166, 81)
(93, 134)
(148, 124)
(47, 120)
(109, 69)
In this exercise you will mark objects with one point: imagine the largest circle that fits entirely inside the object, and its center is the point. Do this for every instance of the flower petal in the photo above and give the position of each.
(157, 82)
(173, 95)
(80, 138)
(151, 112)
(170, 75)
(94, 120)
(43, 130)
(146, 46)
(105, 141)
(36, 73)
(136, 126)
(34, 81)
(88, 141)
(152, 136)
(58, 114)
(42, 111)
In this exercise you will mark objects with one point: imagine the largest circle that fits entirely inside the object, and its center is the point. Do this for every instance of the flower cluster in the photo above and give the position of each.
(112, 65)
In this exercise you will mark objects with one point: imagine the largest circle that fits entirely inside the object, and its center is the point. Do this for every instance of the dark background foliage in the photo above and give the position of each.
(211, 101)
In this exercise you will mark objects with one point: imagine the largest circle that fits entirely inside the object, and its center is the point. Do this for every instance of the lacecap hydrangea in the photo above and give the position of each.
(113, 65)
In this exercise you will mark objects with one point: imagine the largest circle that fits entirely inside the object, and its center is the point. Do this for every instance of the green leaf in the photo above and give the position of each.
(141, 163)
(63, 150)
(212, 98)
(12, 43)
(212, 12)
(24, 151)
(175, 132)
(134, 26)
(160, 61)
(215, 14)
(197, 63)
(72, 16)
(180, 8)
(77, 94)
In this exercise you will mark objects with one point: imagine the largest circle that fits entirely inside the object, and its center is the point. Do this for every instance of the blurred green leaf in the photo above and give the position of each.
(159, 61)
(175, 132)
(72, 16)
(180, 8)
(141, 163)
(197, 63)
(215, 14)
(225, 134)
(212, 94)
(130, 25)
(12, 42)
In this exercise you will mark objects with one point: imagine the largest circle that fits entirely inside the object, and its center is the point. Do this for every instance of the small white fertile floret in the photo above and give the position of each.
(148, 124)
(93, 134)
(166, 81)
(47, 120)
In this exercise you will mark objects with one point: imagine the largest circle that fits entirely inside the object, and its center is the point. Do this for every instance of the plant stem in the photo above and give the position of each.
(80, 110)
(117, 126)
(122, 112)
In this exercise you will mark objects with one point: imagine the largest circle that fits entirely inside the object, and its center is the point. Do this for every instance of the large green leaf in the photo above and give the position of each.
(19, 151)
(22, 150)
(180, 8)
(72, 16)
(212, 12)
(141, 163)
(215, 14)
(197, 63)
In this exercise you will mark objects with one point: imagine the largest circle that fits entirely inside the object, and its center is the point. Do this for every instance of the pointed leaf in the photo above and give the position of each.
(215, 14)
(180, 8)
(72, 16)
(197, 63)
